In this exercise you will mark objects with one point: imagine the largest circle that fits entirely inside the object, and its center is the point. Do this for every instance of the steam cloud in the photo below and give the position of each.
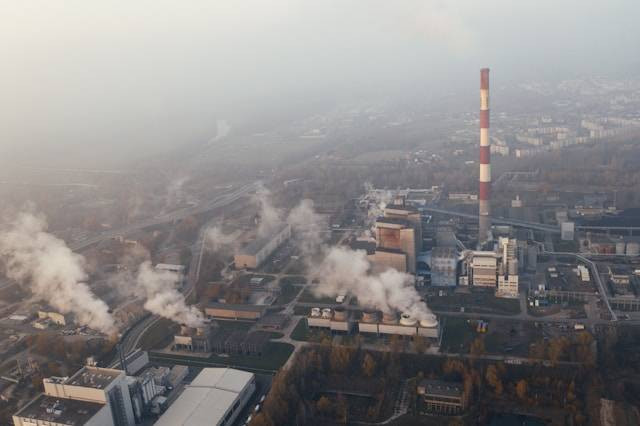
(53, 272)
(307, 227)
(270, 217)
(217, 240)
(342, 270)
(349, 271)
(162, 298)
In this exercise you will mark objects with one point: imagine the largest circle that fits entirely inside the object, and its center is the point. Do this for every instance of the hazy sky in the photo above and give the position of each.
(100, 78)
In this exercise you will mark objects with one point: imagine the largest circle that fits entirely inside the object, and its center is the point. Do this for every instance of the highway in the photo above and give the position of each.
(219, 201)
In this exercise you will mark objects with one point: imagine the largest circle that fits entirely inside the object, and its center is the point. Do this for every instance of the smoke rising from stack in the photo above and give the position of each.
(162, 298)
(349, 271)
(307, 226)
(52, 271)
(217, 240)
(341, 270)
(270, 217)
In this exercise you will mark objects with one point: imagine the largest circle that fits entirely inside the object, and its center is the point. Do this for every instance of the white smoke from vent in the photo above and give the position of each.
(52, 271)
(270, 217)
(216, 240)
(345, 271)
(341, 270)
(307, 227)
(158, 287)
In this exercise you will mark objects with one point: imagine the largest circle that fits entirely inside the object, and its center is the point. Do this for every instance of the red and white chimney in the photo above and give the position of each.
(484, 194)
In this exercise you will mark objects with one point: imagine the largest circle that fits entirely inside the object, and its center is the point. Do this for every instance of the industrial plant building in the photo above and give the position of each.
(398, 235)
(444, 267)
(233, 311)
(440, 397)
(256, 252)
(215, 397)
(92, 396)
(341, 321)
(193, 339)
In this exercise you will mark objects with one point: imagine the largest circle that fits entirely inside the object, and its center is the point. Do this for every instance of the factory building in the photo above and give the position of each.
(567, 231)
(215, 397)
(256, 252)
(444, 266)
(384, 258)
(398, 234)
(54, 411)
(399, 210)
(374, 322)
(440, 397)
(338, 320)
(484, 269)
(92, 396)
(235, 312)
(193, 339)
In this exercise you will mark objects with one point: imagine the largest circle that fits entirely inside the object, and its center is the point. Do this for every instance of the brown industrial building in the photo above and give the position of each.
(194, 339)
(235, 312)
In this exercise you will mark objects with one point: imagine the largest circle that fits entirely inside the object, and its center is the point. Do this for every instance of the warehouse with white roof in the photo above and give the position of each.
(215, 397)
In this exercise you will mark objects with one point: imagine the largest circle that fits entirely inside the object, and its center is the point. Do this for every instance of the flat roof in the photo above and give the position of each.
(393, 221)
(93, 377)
(206, 400)
(59, 410)
(234, 307)
(440, 387)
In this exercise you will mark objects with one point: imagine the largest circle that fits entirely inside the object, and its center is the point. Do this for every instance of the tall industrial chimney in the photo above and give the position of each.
(484, 195)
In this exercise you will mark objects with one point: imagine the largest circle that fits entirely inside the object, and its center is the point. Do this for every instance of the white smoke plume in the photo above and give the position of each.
(175, 191)
(217, 240)
(348, 271)
(378, 201)
(270, 217)
(52, 271)
(307, 226)
(162, 297)
(342, 270)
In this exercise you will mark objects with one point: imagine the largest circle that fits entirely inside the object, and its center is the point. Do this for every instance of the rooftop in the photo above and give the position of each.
(206, 400)
(440, 387)
(59, 410)
(393, 221)
(93, 377)
(234, 307)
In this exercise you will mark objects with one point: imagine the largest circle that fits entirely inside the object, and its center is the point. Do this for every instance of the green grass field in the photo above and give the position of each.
(458, 335)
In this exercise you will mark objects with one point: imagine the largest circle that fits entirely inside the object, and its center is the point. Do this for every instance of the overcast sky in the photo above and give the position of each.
(98, 77)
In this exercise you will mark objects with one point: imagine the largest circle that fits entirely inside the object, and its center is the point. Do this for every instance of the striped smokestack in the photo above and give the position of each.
(484, 195)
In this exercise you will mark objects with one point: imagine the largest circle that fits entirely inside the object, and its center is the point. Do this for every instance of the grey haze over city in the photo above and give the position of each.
(100, 83)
